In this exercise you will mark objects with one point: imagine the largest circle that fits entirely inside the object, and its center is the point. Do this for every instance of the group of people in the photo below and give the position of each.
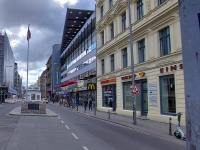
(89, 101)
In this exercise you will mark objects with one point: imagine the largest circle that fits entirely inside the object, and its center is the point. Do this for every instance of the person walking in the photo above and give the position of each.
(90, 102)
(85, 104)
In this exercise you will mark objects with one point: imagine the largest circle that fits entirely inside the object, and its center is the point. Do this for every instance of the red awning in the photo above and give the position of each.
(68, 83)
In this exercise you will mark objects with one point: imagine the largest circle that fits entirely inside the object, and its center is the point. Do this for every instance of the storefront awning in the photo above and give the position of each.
(68, 83)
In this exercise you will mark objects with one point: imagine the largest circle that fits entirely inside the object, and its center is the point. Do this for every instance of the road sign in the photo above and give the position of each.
(135, 89)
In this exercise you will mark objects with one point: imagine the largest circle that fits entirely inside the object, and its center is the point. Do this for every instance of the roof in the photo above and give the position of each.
(75, 19)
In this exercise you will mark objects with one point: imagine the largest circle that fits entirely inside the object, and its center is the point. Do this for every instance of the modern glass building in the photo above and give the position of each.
(78, 54)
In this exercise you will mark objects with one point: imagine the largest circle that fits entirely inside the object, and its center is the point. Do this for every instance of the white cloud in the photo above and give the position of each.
(71, 2)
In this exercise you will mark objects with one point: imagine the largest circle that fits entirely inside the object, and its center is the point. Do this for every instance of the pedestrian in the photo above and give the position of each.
(85, 104)
(90, 102)
(60, 101)
(53, 100)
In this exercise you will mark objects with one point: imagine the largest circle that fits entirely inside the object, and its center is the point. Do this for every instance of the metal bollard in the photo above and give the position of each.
(94, 111)
(108, 113)
(170, 126)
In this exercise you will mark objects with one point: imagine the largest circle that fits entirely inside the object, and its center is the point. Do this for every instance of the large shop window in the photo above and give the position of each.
(108, 95)
(128, 97)
(167, 95)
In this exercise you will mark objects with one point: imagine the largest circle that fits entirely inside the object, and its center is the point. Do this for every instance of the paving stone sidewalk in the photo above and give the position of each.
(143, 124)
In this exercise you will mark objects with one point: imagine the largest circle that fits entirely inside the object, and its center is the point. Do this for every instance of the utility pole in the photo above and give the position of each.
(189, 11)
(132, 64)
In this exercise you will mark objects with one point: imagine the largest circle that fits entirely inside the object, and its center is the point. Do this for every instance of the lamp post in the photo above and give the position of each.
(5, 73)
(132, 64)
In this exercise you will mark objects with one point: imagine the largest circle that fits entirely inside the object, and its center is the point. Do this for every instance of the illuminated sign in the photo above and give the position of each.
(91, 86)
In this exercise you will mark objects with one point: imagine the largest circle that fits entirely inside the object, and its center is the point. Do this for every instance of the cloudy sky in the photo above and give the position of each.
(46, 19)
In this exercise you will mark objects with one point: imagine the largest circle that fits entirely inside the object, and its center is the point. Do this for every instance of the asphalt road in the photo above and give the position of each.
(73, 131)
(112, 135)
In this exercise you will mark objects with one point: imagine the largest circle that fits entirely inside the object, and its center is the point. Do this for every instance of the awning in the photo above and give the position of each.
(68, 83)
(12, 91)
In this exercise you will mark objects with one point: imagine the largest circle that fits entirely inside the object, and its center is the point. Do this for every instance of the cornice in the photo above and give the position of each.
(99, 3)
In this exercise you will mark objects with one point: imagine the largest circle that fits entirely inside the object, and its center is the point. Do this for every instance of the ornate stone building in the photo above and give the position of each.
(157, 58)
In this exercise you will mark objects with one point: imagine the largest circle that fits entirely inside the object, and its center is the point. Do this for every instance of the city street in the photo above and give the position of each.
(73, 131)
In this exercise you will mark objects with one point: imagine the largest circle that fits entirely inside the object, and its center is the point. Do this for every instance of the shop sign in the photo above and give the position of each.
(171, 68)
(127, 77)
(108, 81)
(152, 94)
(75, 90)
(91, 86)
(82, 89)
(107, 93)
(152, 88)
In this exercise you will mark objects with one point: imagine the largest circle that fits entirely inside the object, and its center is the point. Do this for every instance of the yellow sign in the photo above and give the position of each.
(75, 90)
(91, 86)
(57, 68)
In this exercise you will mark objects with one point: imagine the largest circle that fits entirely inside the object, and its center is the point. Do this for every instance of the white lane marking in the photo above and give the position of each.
(85, 148)
(74, 136)
(58, 117)
(66, 126)
(62, 121)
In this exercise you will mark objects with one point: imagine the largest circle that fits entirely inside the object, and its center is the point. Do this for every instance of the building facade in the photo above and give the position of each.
(48, 76)
(7, 64)
(78, 50)
(157, 58)
(43, 84)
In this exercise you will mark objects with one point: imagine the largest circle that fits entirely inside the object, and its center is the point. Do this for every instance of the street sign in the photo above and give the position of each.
(135, 89)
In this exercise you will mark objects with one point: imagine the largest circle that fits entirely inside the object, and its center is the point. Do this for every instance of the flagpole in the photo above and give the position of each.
(27, 61)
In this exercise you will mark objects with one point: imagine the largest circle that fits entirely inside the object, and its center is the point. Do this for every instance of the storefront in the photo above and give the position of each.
(141, 99)
(109, 93)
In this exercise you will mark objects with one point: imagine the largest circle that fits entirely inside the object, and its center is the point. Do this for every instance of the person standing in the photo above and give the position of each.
(90, 102)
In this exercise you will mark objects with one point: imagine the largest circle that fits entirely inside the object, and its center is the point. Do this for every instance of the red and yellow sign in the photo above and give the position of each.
(108, 81)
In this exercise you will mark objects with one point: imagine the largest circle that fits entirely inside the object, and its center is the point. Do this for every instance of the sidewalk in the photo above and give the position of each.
(145, 125)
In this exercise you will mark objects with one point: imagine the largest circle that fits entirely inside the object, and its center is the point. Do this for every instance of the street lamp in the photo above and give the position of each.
(132, 64)
(5, 73)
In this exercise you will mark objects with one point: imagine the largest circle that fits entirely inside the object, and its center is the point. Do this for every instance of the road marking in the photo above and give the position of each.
(74, 136)
(58, 117)
(66, 126)
(85, 148)
(62, 121)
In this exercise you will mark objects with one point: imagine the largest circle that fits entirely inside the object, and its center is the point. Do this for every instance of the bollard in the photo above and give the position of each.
(108, 113)
(94, 111)
(76, 107)
(170, 126)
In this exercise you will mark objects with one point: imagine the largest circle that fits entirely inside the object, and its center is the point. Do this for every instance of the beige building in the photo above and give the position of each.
(157, 58)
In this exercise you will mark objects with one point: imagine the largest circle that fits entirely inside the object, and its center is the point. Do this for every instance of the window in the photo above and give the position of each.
(112, 31)
(102, 38)
(165, 47)
(101, 9)
(102, 66)
(124, 58)
(112, 62)
(140, 13)
(160, 2)
(110, 3)
(167, 95)
(124, 21)
(141, 50)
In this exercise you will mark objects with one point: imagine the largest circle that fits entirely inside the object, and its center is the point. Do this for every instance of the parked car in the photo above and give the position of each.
(46, 100)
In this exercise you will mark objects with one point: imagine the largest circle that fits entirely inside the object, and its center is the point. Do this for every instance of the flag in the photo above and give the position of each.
(28, 34)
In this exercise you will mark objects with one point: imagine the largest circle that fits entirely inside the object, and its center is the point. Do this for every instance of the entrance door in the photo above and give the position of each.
(143, 96)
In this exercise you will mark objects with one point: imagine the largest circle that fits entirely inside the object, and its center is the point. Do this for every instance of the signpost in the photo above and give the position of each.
(135, 90)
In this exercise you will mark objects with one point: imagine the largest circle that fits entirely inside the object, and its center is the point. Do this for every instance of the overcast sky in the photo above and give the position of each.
(46, 19)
